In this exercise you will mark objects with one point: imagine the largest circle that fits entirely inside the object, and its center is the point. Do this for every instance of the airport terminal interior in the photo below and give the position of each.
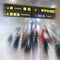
(29, 29)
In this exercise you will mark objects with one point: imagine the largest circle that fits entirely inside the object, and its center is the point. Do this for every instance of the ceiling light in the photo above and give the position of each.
(12, 0)
(53, 6)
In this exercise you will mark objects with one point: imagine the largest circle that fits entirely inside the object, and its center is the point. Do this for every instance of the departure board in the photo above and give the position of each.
(13, 10)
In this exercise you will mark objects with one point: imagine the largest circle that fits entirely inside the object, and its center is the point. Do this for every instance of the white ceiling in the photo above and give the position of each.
(41, 3)
(44, 3)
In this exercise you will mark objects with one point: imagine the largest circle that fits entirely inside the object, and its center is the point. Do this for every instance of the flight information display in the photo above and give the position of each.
(13, 10)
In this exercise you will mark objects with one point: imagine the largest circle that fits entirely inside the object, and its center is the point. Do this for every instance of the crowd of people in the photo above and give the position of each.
(30, 40)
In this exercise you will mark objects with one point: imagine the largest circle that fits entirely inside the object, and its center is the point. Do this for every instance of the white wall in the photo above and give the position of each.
(8, 24)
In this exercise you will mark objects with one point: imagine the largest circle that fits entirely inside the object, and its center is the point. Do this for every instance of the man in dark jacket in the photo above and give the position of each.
(32, 40)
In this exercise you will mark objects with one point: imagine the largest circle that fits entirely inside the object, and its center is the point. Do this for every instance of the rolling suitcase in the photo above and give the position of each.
(23, 44)
(27, 47)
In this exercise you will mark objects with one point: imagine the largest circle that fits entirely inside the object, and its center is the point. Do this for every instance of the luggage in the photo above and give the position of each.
(27, 49)
(23, 44)
(57, 47)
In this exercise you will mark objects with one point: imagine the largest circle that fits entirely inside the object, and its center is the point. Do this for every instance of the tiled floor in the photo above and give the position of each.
(8, 53)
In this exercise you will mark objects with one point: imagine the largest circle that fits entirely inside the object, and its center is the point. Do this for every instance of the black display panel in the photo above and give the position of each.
(13, 10)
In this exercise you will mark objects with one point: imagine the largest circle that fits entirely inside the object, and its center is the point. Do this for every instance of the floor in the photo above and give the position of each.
(8, 53)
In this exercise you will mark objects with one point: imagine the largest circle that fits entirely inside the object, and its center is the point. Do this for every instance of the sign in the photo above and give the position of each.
(13, 10)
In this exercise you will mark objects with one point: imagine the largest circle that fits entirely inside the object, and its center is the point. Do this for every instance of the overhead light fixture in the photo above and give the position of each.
(53, 6)
(12, 0)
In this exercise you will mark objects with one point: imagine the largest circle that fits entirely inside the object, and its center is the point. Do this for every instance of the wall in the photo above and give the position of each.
(8, 24)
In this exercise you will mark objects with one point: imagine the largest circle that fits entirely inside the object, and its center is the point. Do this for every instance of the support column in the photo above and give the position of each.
(58, 14)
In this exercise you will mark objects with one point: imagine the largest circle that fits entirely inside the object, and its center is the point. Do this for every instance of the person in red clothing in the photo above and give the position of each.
(42, 37)
(45, 38)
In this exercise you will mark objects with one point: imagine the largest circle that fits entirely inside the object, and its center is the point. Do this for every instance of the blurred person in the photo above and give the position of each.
(14, 38)
(10, 39)
(25, 42)
(24, 39)
(45, 38)
(17, 38)
(36, 37)
(32, 40)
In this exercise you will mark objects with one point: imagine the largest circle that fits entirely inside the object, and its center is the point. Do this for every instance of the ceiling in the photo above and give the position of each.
(44, 3)
(41, 3)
